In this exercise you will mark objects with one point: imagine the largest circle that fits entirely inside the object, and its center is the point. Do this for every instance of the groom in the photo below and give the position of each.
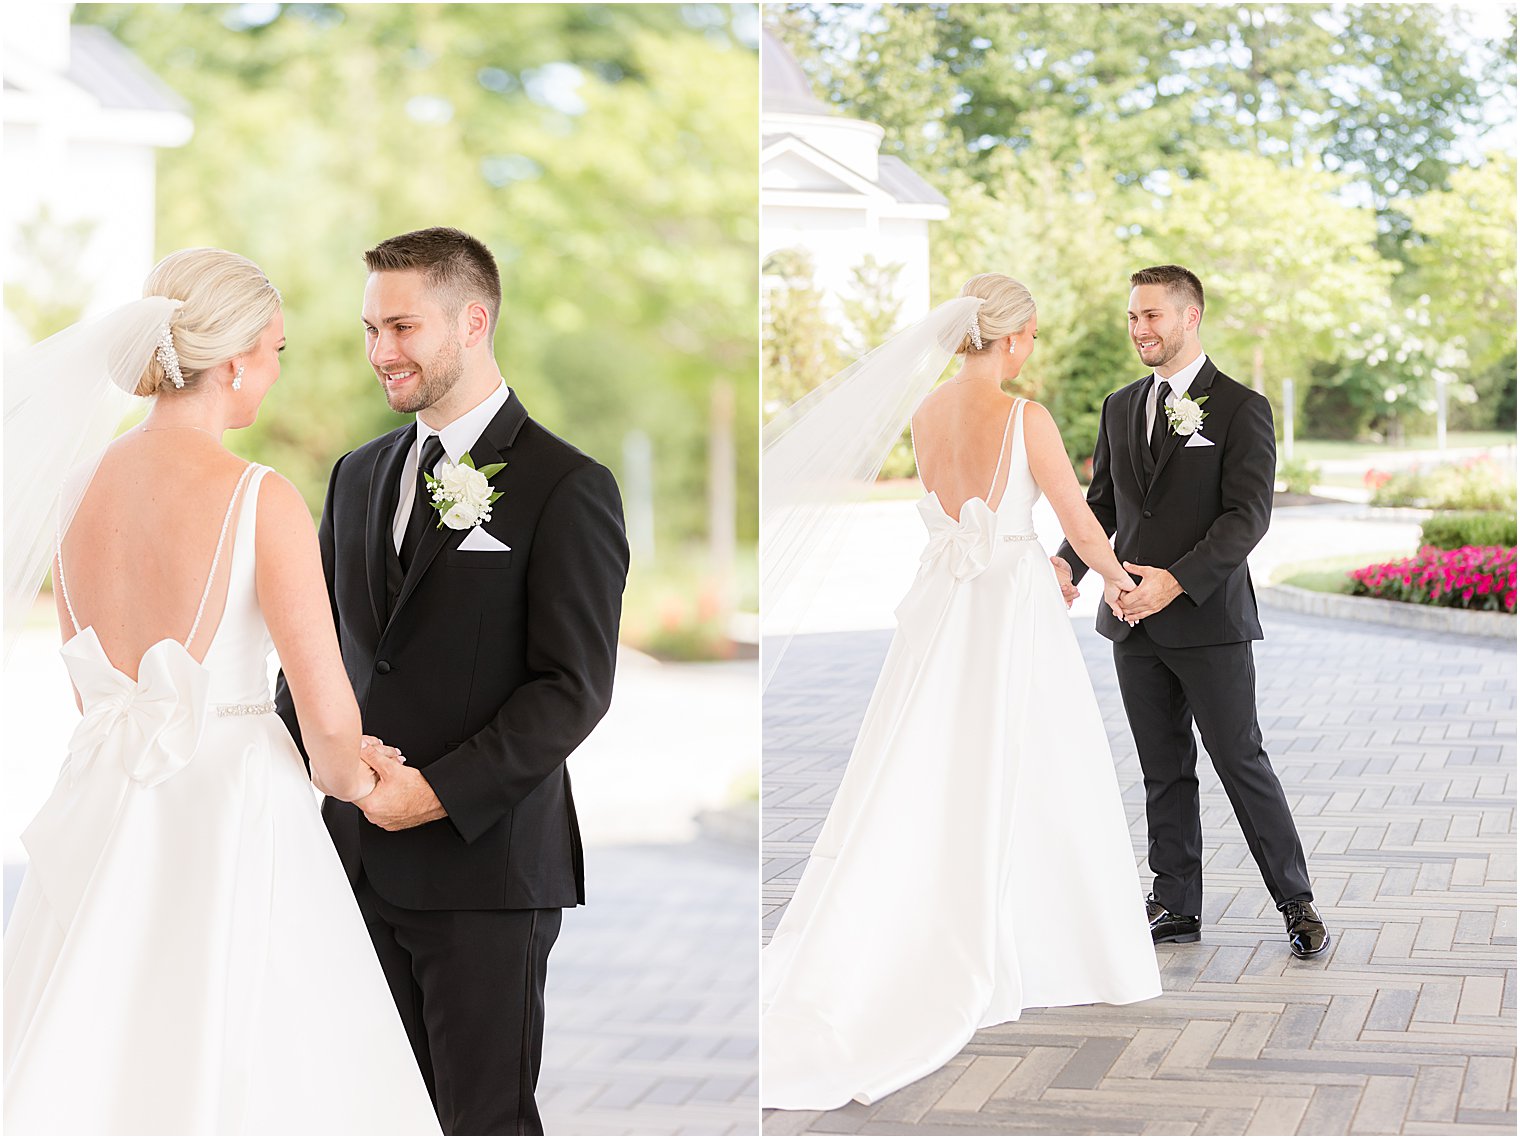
(484, 651)
(1182, 471)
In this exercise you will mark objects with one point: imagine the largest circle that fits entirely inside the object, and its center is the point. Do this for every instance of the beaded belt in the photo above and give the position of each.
(245, 709)
(1020, 537)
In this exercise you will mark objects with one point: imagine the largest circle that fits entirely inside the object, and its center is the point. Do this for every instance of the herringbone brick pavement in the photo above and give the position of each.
(1397, 751)
(651, 1003)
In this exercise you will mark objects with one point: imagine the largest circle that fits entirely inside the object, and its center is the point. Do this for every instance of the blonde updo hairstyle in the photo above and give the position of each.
(228, 302)
(1007, 307)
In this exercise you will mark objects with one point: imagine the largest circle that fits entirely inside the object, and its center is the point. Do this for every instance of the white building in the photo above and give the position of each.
(826, 188)
(83, 121)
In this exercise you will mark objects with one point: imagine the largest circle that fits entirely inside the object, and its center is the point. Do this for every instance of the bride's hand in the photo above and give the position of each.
(381, 759)
(1112, 591)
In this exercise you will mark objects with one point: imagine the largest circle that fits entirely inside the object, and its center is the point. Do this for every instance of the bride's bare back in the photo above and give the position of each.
(960, 440)
(137, 557)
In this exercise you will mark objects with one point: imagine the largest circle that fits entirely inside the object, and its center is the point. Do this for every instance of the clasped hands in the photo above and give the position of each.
(1130, 603)
(401, 797)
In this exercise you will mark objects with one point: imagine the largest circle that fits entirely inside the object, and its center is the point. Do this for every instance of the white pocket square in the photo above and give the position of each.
(1197, 440)
(478, 539)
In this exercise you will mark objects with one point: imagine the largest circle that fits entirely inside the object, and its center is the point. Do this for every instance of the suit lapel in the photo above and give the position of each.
(1200, 386)
(380, 518)
(491, 447)
(1139, 442)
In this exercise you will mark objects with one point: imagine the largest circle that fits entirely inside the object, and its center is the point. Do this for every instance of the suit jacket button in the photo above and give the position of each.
(382, 667)
(1147, 513)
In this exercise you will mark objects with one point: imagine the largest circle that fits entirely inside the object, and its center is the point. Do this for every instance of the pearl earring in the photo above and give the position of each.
(237, 380)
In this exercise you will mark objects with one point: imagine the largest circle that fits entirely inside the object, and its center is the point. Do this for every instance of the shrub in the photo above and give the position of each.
(1473, 528)
(1298, 476)
(1477, 484)
(1473, 577)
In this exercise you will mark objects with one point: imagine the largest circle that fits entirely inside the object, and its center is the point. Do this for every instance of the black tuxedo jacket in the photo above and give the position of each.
(1198, 514)
(490, 668)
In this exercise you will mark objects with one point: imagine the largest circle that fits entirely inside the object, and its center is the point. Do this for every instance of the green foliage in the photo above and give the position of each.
(871, 307)
(1452, 531)
(1297, 476)
(605, 153)
(43, 287)
(1461, 257)
(1479, 484)
(1376, 91)
(1302, 158)
(800, 343)
(675, 609)
(1275, 302)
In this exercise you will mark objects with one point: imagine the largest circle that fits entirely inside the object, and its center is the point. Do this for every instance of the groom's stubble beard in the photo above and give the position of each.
(435, 379)
(1166, 351)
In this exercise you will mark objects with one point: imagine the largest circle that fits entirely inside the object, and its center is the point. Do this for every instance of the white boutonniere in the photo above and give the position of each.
(462, 495)
(1186, 415)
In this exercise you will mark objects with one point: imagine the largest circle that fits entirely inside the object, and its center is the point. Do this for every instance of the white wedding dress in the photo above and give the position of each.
(186, 955)
(976, 860)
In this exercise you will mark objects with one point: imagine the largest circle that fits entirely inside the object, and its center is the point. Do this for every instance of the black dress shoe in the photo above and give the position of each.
(1307, 934)
(1167, 926)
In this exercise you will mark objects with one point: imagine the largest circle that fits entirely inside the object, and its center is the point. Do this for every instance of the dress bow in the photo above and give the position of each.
(964, 547)
(134, 735)
(151, 726)
(957, 551)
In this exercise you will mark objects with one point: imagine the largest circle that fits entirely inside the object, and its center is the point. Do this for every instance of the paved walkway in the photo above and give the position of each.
(651, 1005)
(1397, 750)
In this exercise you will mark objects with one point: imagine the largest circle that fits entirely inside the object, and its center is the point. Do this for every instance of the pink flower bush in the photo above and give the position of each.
(1472, 577)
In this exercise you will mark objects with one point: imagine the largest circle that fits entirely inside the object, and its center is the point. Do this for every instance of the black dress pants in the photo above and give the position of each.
(1165, 691)
(470, 988)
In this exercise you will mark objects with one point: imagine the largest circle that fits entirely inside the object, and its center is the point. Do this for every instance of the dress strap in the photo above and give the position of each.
(63, 584)
(217, 558)
(1002, 450)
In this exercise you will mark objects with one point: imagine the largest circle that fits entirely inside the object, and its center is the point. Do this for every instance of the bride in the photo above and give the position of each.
(976, 860)
(185, 954)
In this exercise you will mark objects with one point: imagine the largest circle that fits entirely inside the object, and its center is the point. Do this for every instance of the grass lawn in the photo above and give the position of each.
(1328, 575)
(1321, 450)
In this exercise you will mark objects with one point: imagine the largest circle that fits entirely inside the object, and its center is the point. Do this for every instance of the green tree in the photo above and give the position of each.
(605, 153)
(1462, 263)
(1285, 264)
(44, 286)
(1378, 92)
(800, 342)
(871, 307)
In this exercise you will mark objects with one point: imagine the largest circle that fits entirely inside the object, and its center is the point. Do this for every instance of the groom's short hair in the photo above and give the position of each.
(1180, 283)
(454, 263)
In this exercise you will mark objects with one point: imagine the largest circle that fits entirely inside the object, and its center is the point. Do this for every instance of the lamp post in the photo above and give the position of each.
(1440, 411)
(1288, 419)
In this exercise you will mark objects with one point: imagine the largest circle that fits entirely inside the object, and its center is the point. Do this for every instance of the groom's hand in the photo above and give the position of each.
(403, 799)
(1157, 589)
(1063, 575)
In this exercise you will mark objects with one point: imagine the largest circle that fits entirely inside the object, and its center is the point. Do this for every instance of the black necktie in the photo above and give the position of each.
(423, 513)
(1158, 428)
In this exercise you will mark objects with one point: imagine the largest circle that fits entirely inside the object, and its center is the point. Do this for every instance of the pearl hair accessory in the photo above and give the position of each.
(976, 333)
(237, 380)
(168, 357)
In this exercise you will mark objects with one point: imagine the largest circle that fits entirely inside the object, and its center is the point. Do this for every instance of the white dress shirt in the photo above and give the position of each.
(457, 438)
(1178, 381)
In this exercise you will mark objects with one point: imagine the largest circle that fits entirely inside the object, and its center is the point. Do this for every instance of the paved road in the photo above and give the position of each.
(1397, 749)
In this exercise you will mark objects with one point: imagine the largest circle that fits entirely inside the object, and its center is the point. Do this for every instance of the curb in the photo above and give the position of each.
(737, 824)
(1402, 614)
